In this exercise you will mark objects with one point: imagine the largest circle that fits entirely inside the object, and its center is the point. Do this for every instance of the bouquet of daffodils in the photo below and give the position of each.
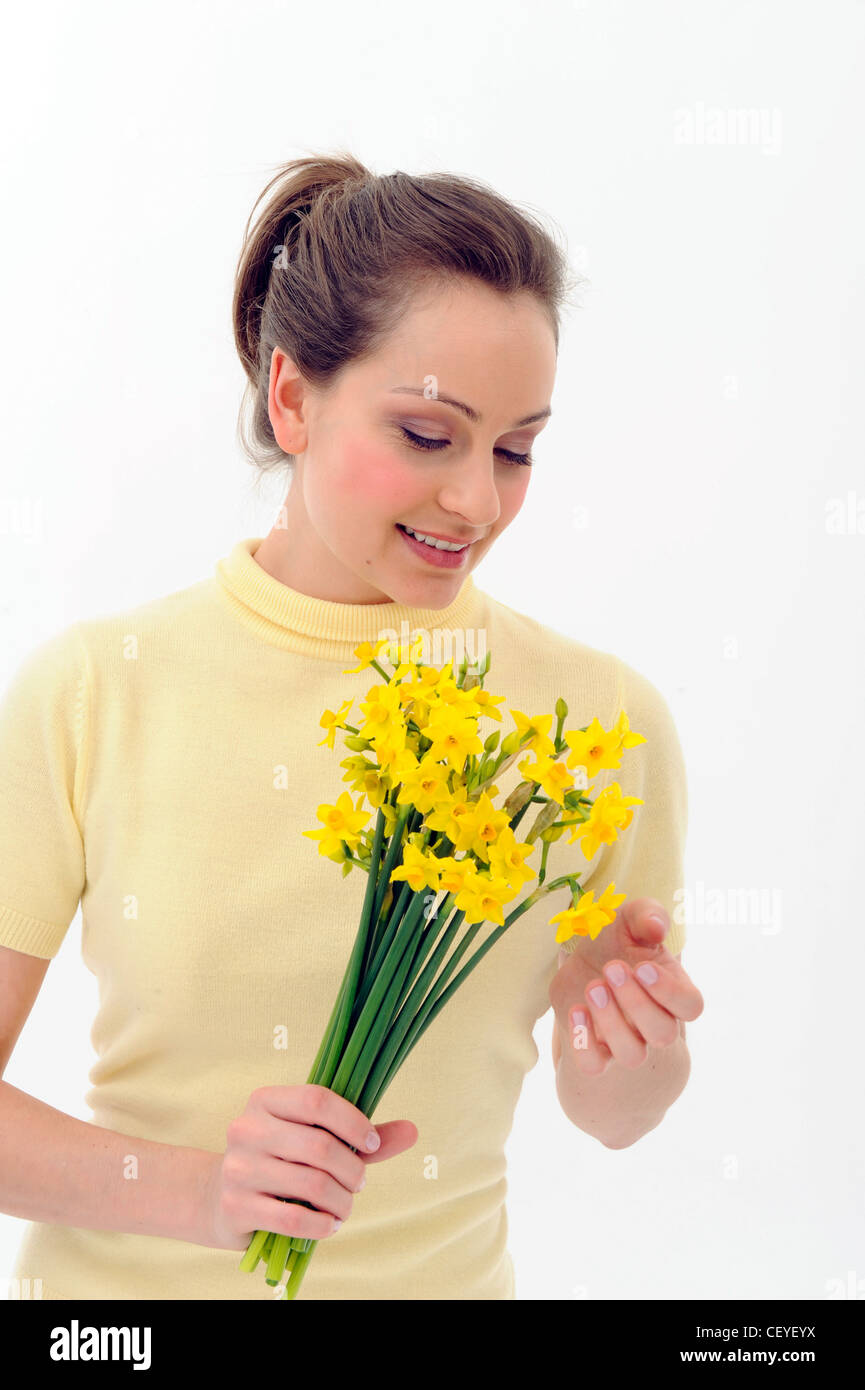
(420, 765)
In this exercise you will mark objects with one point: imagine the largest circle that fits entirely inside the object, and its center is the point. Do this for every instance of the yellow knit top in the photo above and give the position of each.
(158, 766)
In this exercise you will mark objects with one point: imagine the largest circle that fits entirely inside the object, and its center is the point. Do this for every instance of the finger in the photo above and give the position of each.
(318, 1106)
(671, 986)
(591, 1055)
(628, 1048)
(646, 920)
(649, 1018)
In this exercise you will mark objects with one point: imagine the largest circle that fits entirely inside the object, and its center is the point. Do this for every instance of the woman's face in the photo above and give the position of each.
(360, 475)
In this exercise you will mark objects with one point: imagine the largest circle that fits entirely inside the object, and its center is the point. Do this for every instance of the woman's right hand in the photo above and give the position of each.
(294, 1141)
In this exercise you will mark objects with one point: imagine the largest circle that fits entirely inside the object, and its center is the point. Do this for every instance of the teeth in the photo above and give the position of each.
(428, 540)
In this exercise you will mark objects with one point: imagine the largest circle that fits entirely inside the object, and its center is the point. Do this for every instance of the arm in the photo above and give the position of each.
(62, 1170)
(635, 1061)
(58, 1169)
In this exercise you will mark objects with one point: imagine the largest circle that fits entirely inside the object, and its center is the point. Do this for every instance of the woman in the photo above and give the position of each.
(400, 337)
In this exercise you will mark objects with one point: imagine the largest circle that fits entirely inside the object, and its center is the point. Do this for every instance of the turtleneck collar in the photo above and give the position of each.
(319, 627)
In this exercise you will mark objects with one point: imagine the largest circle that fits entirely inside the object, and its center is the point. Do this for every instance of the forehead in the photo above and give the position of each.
(470, 343)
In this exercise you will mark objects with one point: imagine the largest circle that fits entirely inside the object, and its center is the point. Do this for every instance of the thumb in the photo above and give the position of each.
(395, 1136)
(644, 920)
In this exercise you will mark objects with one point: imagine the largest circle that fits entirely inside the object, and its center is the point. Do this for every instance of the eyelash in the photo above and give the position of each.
(418, 441)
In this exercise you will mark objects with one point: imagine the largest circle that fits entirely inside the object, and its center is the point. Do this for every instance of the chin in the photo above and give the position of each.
(435, 595)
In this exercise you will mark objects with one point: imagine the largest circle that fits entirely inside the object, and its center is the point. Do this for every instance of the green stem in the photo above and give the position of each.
(418, 1023)
(339, 1035)
(369, 1018)
(252, 1254)
(439, 995)
(393, 850)
(279, 1253)
(323, 1073)
(406, 1017)
(298, 1270)
(443, 847)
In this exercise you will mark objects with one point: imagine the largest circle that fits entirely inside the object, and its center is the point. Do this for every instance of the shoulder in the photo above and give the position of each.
(599, 680)
(95, 654)
(519, 640)
(165, 628)
(53, 664)
(644, 701)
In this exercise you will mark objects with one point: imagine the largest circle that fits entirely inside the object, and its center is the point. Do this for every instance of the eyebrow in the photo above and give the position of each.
(468, 410)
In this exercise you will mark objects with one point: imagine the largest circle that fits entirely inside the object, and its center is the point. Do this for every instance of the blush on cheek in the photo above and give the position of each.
(376, 483)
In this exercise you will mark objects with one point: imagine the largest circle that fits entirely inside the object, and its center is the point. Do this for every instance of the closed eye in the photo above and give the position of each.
(420, 441)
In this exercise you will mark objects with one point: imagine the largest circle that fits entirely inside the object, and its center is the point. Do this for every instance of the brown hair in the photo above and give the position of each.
(338, 252)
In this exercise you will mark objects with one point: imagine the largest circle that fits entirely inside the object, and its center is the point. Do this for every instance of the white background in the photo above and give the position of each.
(708, 414)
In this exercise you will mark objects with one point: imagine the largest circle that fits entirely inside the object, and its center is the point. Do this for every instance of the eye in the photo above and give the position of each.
(420, 441)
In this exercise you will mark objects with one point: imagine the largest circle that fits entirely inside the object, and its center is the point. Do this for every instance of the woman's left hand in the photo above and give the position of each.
(625, 1013)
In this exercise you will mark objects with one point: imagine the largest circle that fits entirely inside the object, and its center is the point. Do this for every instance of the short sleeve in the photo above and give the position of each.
(43, 725)
(647, 859)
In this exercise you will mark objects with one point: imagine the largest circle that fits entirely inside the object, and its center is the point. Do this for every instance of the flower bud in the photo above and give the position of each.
(518, 798)
(554, 833)
(544, 819)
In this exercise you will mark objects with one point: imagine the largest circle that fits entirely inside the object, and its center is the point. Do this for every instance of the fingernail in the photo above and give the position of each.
(616, 974)
(646, 973)
(336, 1224)
(372, 1141)
(660, 921)
(599, 996)
(578, 1018)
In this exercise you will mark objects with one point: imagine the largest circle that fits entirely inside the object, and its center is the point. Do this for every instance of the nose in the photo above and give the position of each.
(472, 492)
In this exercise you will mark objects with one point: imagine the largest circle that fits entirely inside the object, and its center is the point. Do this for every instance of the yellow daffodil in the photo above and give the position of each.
(405, 656)
(445, 689)
(425, 785)
(610, 813)
(453, 737)
(380, 707)
(366, 653)
(419, 869)
(454, 874)
(447, 813)
(342, 823)
(482, 899)
(506, 857)
(393, 753)
(485, 703)
(361, 774)
(552, 775)
(426, 683)
(481, 827)
(626, 734)
(332, 722)
(588, 918)
(595, 748)
(540, 742)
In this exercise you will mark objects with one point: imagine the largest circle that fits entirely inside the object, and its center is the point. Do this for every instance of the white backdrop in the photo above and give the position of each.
(697, 505)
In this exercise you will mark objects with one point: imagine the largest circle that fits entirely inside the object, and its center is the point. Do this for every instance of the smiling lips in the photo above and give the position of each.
(435, 536)
(440, 556)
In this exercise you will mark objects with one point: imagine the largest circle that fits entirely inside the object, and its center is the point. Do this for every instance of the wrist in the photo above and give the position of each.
(202, 1187)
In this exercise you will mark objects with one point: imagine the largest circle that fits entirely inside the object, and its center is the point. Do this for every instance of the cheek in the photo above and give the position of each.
(513, 495)
(375, 482)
